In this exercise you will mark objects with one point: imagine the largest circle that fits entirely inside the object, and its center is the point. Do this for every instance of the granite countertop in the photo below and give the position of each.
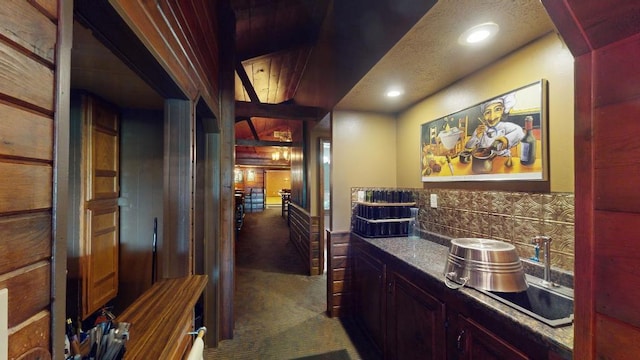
(429, 257)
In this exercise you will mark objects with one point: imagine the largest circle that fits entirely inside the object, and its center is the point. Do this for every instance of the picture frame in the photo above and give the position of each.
(501, 139)
(237, 176)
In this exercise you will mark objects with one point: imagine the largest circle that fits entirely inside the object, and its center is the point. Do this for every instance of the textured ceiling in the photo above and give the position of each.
(428, 58)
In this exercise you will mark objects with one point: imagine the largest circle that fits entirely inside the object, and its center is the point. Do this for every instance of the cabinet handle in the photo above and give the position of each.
(459, 341)
(390, 287)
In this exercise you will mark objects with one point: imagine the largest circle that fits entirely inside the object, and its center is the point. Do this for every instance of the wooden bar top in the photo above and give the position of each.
(159, 316)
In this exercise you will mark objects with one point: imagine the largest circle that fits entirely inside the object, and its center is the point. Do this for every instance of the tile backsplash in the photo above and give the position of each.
(513, 217)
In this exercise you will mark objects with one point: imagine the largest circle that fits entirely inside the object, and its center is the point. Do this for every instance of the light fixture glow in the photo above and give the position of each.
(478, 36)
(478, 33)
(281, 153)
(394, 93)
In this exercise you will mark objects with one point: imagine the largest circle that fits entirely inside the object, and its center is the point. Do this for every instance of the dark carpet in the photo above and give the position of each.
(280, 311)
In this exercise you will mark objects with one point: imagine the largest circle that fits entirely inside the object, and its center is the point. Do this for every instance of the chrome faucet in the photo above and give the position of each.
(545, 243)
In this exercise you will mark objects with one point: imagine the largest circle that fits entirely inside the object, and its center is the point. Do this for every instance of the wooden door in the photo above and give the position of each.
(99, 213)
(370, 302)
(475, 342)
(415, 322)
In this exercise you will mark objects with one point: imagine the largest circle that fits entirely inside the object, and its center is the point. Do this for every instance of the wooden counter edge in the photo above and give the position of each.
(159, 315)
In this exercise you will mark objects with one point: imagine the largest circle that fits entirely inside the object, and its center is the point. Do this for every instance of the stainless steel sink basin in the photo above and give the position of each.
(553, 307)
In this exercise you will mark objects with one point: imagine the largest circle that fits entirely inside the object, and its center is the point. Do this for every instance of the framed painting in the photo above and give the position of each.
(502, 138)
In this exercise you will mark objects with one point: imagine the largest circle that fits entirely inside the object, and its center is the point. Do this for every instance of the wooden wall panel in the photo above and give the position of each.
(247, 184)
(606, 22)
(304, 234)
(26, 80)
(30, 336)
(25, 134)
(616, 102)
(25, 187)
(162, 29)
(617, 261)
(175, 246)
(202, 22)
(29, 291)
(28, 39)
(584, 209)
(48, 7)
(188, 31)
(339, 274)
(30, 240)
(616, 75)
(27, 27)
(605, 38)
(616, 340)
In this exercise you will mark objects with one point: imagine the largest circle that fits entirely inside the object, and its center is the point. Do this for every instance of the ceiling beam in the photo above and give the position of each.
(253, 129)
(247, 142)
(248, 86)
(278, 111)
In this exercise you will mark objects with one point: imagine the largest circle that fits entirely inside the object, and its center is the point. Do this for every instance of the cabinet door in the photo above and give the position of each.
(369, 277)
(415, 322)
(99, 208)
(475, 342)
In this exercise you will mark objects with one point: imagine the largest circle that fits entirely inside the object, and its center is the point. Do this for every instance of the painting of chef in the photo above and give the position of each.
(502, 138)
(495, 131)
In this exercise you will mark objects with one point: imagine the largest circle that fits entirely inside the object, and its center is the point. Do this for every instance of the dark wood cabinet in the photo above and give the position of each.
(476, 342)
(415, 321)
(408, 315)
(370, 297)
(403, 321)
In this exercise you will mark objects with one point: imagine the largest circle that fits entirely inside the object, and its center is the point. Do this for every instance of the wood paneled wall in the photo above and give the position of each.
(250, 182)
(604, 37)
(182, 34)
(304, 232)
(339, 274)
(28, 34)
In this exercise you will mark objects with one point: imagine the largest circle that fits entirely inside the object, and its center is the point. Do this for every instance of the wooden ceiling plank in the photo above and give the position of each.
(274, 81)
(300, 65)
(285, 43)
(246, 83)
(260, 78)
(241, 93)
(285, 74)
(278, 111)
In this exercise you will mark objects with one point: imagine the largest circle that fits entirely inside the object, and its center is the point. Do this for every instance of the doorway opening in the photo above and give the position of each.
(325, 192)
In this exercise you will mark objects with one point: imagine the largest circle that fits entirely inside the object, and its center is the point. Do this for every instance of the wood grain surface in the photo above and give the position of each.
(160, 317)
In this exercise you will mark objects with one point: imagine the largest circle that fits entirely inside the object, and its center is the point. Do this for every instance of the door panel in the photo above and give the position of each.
(100, 212)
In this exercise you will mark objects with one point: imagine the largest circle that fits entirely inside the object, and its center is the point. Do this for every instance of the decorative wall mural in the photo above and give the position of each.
(503, 138)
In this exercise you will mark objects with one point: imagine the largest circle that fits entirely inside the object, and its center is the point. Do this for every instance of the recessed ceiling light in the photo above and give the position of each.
(478, 34)
(394, 93)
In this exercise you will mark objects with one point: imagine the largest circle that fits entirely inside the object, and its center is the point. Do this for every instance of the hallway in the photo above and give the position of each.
(280, 313)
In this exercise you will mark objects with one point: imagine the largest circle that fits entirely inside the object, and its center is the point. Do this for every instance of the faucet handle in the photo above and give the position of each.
(541, 239)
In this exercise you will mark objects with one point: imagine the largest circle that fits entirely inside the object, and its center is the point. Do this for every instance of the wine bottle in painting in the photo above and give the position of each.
(528, 143)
